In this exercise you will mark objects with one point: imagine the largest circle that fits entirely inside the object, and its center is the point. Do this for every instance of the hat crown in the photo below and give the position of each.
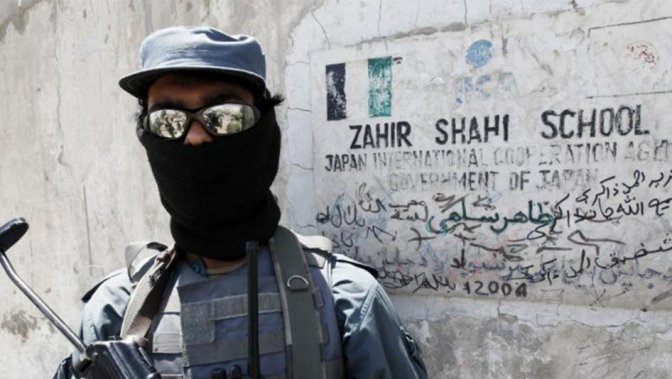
(198, 49)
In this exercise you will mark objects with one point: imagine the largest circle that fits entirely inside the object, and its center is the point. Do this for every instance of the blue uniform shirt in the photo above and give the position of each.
(375, 345)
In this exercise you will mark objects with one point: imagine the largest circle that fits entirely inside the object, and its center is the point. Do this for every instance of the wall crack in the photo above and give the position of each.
(465, 12)
(380, 10)
(299, 109)
(302, 167)
(321, 27)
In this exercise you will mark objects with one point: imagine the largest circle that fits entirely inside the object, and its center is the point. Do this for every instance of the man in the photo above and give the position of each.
(208, 126)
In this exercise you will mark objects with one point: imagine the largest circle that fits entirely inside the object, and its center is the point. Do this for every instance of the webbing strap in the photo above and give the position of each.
(137, 268)
(198, 318)
(231, 349)
(146, 298)
(315, 243)
(303, 331)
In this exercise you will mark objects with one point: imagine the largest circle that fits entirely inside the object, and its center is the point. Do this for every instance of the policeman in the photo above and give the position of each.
(208, 126)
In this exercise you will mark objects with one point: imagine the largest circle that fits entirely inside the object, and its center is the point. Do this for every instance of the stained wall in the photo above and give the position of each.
(503, 164)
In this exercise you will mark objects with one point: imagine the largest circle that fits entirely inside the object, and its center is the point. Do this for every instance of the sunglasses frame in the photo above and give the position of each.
(197, 114)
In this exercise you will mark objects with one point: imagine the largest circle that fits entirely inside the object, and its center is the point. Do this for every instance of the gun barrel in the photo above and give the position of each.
(41, 305)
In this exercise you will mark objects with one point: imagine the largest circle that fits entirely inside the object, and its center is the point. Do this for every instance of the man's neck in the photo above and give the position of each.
(227, 266)
(214, 266)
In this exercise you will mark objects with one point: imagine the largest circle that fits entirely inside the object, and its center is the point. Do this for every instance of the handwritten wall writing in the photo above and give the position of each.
(474, 245)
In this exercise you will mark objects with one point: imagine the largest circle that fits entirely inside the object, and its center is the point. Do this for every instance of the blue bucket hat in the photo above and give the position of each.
(197, 49)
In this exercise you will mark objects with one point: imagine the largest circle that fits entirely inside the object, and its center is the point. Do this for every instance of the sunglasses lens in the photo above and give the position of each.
(230, 118)
(167, 123)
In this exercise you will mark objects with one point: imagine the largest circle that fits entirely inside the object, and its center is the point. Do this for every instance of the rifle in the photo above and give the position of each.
(120, 359)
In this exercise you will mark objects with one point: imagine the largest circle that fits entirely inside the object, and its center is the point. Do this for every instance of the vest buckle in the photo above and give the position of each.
(297, 283)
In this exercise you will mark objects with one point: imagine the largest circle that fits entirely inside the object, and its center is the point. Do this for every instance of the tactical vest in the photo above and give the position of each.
(200, 327)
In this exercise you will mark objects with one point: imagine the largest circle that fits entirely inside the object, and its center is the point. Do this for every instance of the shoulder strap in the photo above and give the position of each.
(146, 298)
(139, 259)
(318, 253)
(312, 243)
(303, 329)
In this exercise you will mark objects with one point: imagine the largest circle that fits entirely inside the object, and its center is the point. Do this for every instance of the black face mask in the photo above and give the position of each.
(218, 193)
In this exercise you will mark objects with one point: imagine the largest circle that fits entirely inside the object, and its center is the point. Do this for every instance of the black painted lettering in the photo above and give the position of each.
(458, 130)
(495, 129)
(505, 123)
(487, 129)
(544, 179)
(368, 137)
(622, 111)
(506, 289)
(638, 121)
(661, 150)
(479, 286)
(330, 163)
(612, 150)
(493, 287)
(355, 140)
(556, 150)
(403, 132)
(569, 154)
(606, 124)
(590, 123)
(338, 164)
(597, 152)
(521, 290)
(383, 134)
(473, 159)
(474, 134)
(566, 113)
(360, 162)
(644, 151)
(443, 138)
(345, 160)
(544, 119)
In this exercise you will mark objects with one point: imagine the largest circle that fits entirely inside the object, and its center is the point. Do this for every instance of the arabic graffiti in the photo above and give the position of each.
(614, 199)
(474, 244)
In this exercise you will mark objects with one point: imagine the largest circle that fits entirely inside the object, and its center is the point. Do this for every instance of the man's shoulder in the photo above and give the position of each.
(353, 281)
(349, 264)
(116, 281)
(123, 280)
(104, 306)
(320, 251)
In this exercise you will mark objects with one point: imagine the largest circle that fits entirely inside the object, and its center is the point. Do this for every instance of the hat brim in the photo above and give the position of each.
(139, 82)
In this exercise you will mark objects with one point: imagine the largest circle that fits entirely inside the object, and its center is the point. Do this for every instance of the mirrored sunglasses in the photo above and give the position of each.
(219, 120)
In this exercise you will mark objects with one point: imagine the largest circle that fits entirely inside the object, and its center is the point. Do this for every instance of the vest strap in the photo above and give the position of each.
(137, 268)
(313, 243)
(201, 331)
(231, 349)
(303, 330)
(292, 261)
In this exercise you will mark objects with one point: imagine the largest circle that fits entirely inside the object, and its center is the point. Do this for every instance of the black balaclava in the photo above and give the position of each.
(218, 193)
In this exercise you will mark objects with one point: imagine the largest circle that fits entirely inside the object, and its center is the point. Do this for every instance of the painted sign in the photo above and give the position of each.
(485, 163)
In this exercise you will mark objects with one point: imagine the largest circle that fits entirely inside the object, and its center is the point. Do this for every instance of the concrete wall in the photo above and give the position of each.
(532, 241)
